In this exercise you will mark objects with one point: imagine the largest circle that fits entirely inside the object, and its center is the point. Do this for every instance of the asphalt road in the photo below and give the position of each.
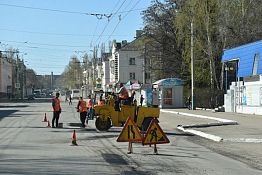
(29, 147)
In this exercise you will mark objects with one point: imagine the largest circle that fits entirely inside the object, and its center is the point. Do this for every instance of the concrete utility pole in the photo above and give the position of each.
(192, 65)
(51, 81)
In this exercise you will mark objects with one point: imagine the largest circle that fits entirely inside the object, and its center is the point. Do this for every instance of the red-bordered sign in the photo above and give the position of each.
(130, 132)
(155, 134)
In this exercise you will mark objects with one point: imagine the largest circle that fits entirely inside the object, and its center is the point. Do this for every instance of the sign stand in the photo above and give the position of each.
(130, 133)
(155, 149)
(130, 148)
(154, 135)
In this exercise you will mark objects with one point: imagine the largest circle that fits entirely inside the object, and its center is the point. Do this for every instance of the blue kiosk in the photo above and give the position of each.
(169, 92)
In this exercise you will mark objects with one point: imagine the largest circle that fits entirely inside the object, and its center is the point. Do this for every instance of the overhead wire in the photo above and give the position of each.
(108, 16)
(56, 34)
(94, 33)
(109, 21)
(97, 15)
(122, 19)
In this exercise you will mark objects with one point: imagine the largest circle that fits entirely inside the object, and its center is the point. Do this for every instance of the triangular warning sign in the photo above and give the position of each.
(155, 134)
(130, 132)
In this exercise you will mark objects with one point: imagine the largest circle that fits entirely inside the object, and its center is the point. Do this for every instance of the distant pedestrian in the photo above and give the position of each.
(188, 102)
(82, 109)
(70, 100)
(56, 110)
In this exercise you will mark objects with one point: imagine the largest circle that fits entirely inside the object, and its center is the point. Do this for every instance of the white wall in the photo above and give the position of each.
(125, 69)
(244, 97)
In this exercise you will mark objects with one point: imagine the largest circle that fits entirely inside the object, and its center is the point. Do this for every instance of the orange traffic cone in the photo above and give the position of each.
(45, 119)
(48, 124)
(74, 138)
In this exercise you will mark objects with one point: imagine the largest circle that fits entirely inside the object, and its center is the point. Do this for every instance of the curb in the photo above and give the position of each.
(200, 133)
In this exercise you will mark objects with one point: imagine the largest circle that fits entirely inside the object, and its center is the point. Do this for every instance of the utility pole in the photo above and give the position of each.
(51, 81)
(192, 65)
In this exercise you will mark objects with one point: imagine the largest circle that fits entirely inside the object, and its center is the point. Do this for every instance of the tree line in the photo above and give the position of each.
(217, 25)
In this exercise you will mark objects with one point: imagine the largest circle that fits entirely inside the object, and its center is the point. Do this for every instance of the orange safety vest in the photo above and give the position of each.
(83, 107)
(89, 103)
(123, 94)
(56, 106)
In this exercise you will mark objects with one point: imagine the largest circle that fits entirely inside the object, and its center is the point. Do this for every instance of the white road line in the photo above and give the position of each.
(201, 134)
(243, 140)
(199, 116)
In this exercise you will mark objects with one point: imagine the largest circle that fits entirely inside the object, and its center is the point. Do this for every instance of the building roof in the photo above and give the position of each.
(169, 82)
(245, 54)
(136, 44)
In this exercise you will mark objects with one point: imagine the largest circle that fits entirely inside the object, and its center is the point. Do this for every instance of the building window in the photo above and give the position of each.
(132, 61)
(255, 64)
(132, 76)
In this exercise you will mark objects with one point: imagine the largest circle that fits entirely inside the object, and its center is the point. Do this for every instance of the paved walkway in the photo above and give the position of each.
(231, 127)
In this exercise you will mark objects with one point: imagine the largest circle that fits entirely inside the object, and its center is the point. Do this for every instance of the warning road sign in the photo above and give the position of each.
(155, 134)
(130, 132)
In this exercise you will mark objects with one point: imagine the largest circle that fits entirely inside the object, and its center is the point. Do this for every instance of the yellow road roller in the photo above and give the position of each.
(108, 115)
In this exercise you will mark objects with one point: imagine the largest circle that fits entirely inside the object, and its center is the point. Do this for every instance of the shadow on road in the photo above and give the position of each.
(6, 113)
(13, 106)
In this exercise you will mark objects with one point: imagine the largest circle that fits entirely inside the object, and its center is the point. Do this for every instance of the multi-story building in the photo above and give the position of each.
(12, 77)
(105, 74)
(126, 63)
(5, 77)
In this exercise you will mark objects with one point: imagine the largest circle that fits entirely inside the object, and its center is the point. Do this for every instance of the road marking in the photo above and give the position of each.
(199, 116)
(243, 140)
(201, 134)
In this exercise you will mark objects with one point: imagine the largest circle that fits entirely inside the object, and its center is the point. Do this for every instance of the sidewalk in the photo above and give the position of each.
(248, 128)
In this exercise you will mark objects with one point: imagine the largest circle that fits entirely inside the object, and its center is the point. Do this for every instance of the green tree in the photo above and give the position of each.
(161, 45)
(73, 74)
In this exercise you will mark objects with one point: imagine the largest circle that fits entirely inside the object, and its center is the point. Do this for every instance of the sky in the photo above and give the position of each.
(48, 32)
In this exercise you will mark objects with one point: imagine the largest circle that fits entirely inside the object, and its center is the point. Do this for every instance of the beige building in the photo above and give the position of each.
(5, 77)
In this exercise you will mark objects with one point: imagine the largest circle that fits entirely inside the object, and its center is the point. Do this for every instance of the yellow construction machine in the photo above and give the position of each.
(108, 115)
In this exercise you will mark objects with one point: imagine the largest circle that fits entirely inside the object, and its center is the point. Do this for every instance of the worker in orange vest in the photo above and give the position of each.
(122, 96)
(56, 110)
(90, 106)
(123, 93)
(82, 109)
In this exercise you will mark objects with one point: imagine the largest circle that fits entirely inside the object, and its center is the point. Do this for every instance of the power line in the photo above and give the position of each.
(45, 44)
(109, 21)
(123, 18)
(97, 15)
(57, 34)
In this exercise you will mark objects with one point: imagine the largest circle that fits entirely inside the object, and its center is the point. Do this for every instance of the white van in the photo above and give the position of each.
(75, 93)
